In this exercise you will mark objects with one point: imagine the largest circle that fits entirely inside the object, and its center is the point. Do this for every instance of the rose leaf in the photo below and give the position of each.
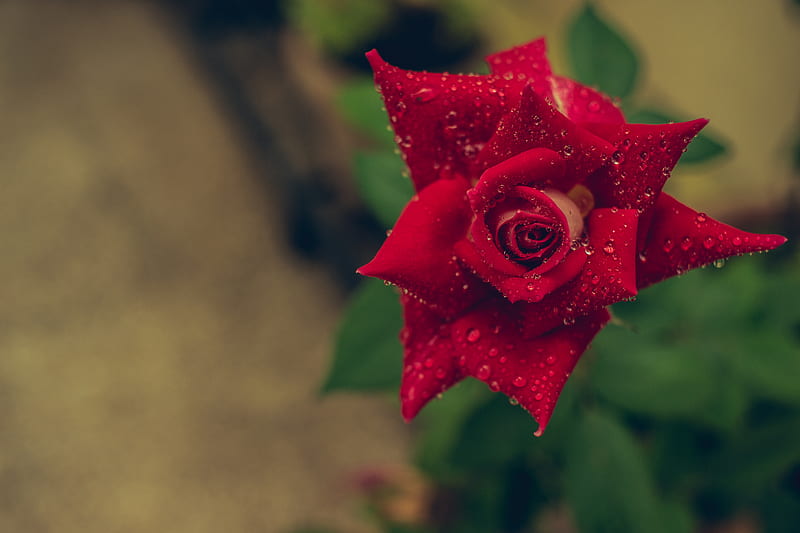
(607, 482)
(362, 107)
(600, 56)
(367, 354)
(381, 184)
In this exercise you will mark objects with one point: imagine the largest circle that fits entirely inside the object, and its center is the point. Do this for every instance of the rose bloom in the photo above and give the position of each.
(536, 207)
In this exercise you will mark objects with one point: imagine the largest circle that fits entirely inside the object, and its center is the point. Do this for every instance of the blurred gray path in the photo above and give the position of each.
(159, 346)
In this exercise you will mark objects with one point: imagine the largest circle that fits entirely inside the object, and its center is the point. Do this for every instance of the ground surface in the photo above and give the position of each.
(159, 343)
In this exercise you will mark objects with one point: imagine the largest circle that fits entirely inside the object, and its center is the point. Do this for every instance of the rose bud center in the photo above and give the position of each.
(528, 229)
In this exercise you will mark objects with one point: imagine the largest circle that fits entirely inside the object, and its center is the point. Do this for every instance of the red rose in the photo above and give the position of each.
(537, 206)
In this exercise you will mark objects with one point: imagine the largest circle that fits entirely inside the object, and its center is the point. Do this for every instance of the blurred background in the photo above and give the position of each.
(180, 225)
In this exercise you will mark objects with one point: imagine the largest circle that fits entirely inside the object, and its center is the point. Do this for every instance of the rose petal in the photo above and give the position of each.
(583, 104)
(417, 256)
(538, 167)
(531, 371)
(535, 124)
(534, 289)
(441, 121)
(527, 63)
(642, 162)
(680, 239)
(608, 276)
(429, 358)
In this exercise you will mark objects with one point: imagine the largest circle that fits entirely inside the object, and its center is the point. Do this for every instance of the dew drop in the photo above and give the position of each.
(701, 218)
(520, 381)
(473, 335)
(609, 247)
(513, 401)
(593, 106)
(668, 245)
(494, 386)
(551, 360)
(719, 263)
(538, 396)
(736, 241)
(493, 352)
(617, 157)
(686, 243)
(709, 242)
(440, 373)
(484, 372)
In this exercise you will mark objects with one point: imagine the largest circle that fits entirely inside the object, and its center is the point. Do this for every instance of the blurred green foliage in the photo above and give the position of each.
(685, 412)
(600, 56)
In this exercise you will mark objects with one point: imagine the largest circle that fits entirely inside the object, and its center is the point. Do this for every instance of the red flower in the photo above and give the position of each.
(537, 206)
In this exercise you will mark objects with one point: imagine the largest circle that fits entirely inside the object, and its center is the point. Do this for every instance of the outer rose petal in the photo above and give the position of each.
(580, 103)
(608, 276)
(527, 63)
(417, 256)
(535, 124)
(644, 158)
(441, 121)
(680, 239)
(429, 359)
(534, 371)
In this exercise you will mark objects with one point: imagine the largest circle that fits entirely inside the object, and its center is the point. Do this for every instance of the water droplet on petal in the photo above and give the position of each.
(473, 335)
(668, 245)
(609, 247)
(520, 381)
(709, 242)
(484, 372)
(686, 243)
(617, 157)
(425, 94)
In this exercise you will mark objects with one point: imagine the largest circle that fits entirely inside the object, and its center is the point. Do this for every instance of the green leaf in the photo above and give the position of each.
(493, 435)
(753, 462)
(382, 184)
(768, 356)
(368, 354)
(443, 426)
(636, 372)
(703, 147)
(361, 105)
(600, 56)
(339, 26)
(607, 481)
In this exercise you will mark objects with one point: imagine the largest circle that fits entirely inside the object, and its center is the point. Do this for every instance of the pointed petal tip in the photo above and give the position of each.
(375, 59)
(777, 240)
(409, 410)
